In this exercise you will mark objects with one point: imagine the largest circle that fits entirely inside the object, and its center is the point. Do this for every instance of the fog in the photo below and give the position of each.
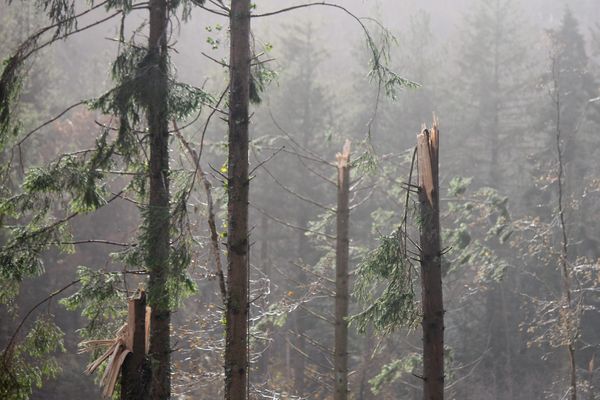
(508, 81)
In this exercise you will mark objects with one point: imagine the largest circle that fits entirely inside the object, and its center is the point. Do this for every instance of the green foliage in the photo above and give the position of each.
(69, 175)
(469, 244)
(380, 59)
(20, 257)
(131, 96)
(78, 182)
(260, 76)
(392, 371)
(99, 299)
(186, 99)
(73, 177)
(385, 281)
(458, 185)
(409, 364)
(11, 82)
(180, 283)
(367, 162)
(30, 362)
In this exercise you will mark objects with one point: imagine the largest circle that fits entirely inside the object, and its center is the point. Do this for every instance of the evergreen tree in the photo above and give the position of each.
(145, 88)
(490, 87)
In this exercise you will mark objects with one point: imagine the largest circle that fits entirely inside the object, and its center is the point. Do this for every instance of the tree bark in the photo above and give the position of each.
(134, 370)
(341, 274)
(158, 214)
(431, 276)
(236, 315)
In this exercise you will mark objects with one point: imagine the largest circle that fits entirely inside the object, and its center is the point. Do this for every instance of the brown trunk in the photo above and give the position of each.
(236, 314)
(431, 276)
(158, 215)
(341, 275)
(133, 372)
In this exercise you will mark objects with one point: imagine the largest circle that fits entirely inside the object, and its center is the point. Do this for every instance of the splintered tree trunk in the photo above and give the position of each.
(133, 372)
(158, 216)
(341, 274)
(236, 314)
(431, 274)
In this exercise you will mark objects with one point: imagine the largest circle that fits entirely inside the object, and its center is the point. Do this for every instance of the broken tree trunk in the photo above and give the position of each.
(125, 354)
(134, 372)
(236, 313)
(431, 273)
(341, 274)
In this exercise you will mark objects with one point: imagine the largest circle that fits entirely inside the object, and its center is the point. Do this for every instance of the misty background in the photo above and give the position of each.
(484, 67)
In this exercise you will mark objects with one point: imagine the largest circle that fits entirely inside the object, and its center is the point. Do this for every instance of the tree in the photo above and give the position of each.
(300, 109)
(491, 82)
(158, 218)
(341, 274)
(569, 85)
(236, 318)
(145, 87)
(495, 86)
(431, 264)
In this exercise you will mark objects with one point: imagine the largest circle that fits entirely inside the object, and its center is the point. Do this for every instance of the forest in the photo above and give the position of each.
(296, 199)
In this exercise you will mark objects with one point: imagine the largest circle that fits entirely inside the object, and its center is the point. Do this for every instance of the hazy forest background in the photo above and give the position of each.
(506, 78)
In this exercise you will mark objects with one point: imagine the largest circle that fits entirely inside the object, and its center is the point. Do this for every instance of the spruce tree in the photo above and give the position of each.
(146, 90)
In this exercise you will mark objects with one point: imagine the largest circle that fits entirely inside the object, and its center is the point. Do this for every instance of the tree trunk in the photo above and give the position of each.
(236, 315)
(431, 277)
(569, 323)
(364, 391)
(341, 274)
(134, 370)
(158, 215)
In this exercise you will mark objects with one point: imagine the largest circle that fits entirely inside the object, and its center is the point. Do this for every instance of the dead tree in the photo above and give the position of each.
(236, 314)
(135, 369)
(431, 273)
(341, 274)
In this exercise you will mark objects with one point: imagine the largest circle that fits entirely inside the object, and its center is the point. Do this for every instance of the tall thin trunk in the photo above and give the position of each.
(158, 215)
(431, 273)
(564, 252)
(236, 314)
(341, 274)
(300, 316)
(363, 387)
